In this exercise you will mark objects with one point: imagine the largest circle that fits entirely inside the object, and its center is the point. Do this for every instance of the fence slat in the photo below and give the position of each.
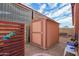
(15, 44)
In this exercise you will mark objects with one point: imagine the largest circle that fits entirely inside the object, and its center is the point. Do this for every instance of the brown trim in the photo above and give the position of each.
(58, 33)
(46, 32)
(42, 33)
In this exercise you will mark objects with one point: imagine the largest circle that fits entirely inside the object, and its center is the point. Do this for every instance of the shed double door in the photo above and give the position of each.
(37, 32)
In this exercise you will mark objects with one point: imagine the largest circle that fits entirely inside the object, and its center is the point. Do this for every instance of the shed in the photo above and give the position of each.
(44, 33)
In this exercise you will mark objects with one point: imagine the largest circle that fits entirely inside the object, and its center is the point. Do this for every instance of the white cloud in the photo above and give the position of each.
(42, 8)
(67, 19)
(59, 12)
(52, 5)
(66, 22)
(49, 14)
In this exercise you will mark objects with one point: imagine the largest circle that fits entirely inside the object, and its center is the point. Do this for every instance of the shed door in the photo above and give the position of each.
(37, 32)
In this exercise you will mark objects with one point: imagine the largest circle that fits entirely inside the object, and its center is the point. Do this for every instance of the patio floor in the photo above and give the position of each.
(56, 50)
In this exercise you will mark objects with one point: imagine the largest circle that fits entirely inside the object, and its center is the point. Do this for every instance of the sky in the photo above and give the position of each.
(60, 12)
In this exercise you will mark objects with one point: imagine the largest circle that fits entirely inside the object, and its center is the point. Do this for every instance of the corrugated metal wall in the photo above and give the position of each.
(12, 12)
